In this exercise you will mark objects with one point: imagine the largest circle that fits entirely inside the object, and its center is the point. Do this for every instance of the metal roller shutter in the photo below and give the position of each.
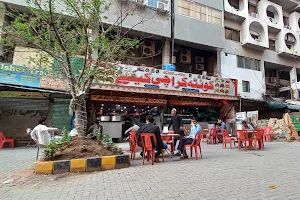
(17, 114)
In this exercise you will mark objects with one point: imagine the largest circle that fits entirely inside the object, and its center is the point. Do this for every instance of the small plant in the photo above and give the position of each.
(65, 136)
(108, 144)
(50, 150)
(98, 135)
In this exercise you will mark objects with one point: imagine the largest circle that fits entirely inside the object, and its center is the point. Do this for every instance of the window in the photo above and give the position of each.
(200, 12)
(246, 86)
(231, 34)
(248, 63)
(214, 16)
(272, 45)
(186, 8)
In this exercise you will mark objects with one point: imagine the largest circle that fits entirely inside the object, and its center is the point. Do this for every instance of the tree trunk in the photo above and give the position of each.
(80, 118)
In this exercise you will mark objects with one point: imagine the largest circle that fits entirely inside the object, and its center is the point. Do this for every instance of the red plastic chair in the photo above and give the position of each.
(4, 140)
(259, 138)
(242, 136)
(195, 144)
(213, 136)
(227, 138)
(133, 144)
(203, 136)
(169, 140)
(148, 149)
(268, 134)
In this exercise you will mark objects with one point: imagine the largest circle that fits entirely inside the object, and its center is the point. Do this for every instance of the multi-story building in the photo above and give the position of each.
(195, 87)
(262, 47)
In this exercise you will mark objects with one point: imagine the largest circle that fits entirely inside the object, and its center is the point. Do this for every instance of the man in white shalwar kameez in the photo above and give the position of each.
(41, 133)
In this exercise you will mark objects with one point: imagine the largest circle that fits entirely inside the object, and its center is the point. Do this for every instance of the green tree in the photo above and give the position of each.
(68, 29)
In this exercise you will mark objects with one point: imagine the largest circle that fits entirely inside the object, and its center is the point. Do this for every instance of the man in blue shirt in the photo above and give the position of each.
(195, 128)
(222, 125)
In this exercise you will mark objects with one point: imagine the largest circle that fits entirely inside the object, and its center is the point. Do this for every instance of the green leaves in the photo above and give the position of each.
(61, 30)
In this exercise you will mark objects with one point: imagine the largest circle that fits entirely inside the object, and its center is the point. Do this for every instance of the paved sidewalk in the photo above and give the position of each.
(221, 174)
(14, 161)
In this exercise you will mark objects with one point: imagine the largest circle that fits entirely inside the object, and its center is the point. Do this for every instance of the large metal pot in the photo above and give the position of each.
(105, 118)
(116, 118)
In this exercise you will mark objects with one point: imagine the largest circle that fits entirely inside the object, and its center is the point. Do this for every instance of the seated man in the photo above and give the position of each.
(220, 125)
(195, 128)
(96, 127)
(151, 128)
(134, 128)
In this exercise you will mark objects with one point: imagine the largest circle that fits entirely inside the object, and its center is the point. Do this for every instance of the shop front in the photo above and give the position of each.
(138, 91)
(26, 96)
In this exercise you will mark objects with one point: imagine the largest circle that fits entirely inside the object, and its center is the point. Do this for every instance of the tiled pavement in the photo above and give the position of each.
(221, 174)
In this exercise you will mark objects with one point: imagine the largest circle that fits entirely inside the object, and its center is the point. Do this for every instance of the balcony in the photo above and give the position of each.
(294, 21)
(254, 33)
(236, 9)
(287, 43)
(271, 14)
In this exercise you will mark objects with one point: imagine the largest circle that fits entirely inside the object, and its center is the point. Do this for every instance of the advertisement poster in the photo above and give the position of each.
(252, 117)
(31, 77)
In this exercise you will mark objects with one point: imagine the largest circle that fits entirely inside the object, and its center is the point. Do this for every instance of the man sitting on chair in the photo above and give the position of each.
(195, 128)
(151, 128)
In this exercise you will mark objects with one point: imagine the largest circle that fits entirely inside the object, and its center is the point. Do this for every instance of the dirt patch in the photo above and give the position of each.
(82, 149)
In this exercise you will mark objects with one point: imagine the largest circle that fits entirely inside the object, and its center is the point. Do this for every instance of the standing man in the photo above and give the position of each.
(290, 126)
(40, 134)
(177, 125)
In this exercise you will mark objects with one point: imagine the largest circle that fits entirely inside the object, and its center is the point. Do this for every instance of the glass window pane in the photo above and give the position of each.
(240, 62)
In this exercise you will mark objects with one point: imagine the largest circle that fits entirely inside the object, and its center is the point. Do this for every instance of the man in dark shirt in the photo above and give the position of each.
(151, 128)
(177, 124)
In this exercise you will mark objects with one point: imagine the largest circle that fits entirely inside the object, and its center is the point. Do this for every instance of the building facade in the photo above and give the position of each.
(262, 47)
(195, 86)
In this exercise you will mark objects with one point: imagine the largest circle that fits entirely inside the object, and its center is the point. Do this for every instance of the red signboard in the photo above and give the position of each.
(150, 78)
(135, 100)
(194, 103)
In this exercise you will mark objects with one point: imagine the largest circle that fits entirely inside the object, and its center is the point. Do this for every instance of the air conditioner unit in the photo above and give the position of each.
(162, 7)
(287, 27)
(255, 15)
(185, 56)
(199, 67)
(148, 48)
(273, 79)
(199, 59)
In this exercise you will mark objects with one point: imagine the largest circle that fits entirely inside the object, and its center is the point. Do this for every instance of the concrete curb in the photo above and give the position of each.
(82, 165)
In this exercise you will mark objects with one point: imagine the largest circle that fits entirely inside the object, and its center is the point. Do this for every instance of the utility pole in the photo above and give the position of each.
(172, 30)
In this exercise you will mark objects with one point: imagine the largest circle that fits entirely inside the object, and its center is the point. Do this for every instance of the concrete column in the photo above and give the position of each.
(293, 80)
(2, 17)
(166, 53)
(217, 67)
